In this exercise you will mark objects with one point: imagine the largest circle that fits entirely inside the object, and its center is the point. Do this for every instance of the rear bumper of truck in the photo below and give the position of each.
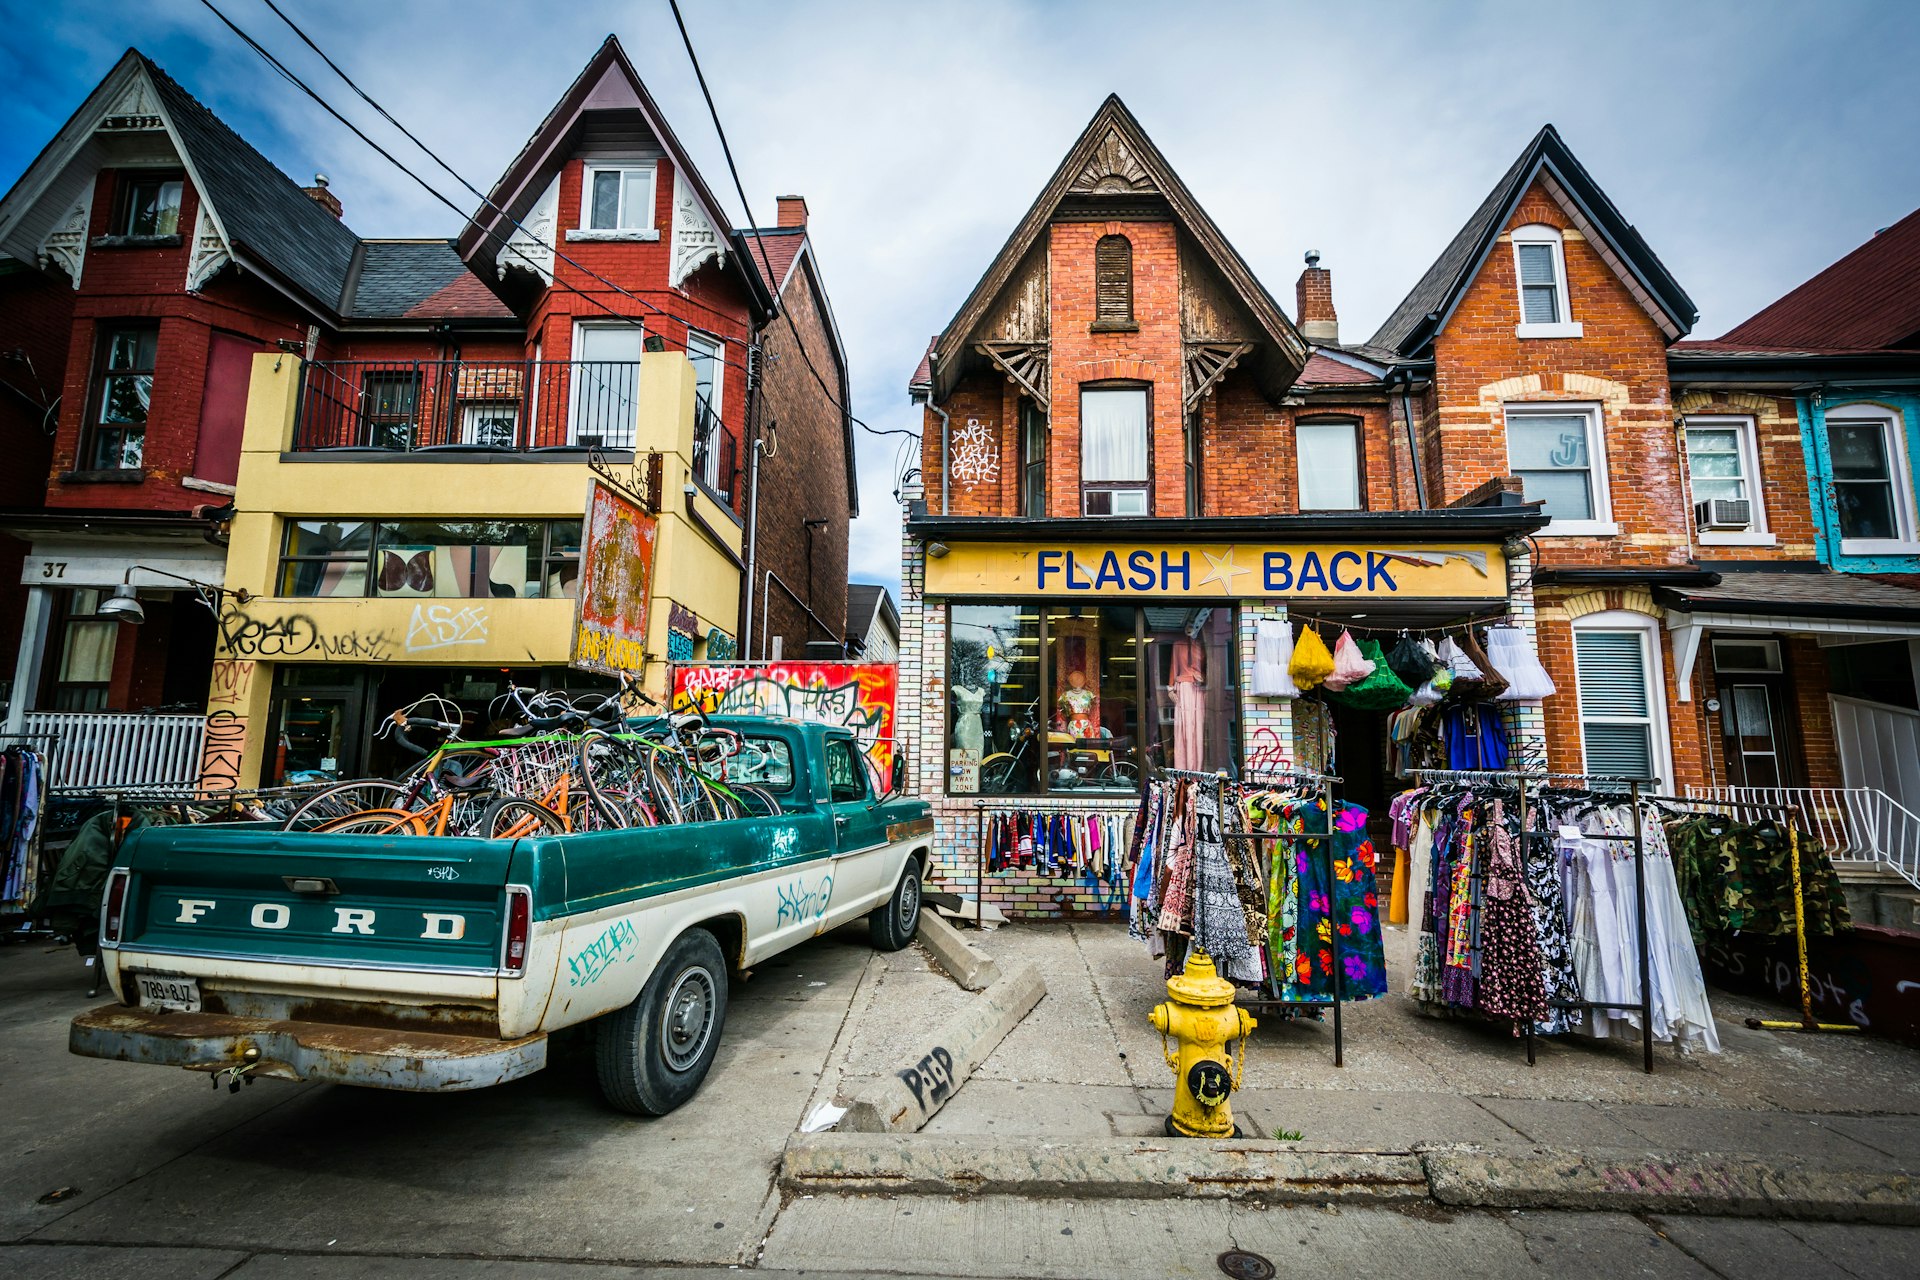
(420, 1061)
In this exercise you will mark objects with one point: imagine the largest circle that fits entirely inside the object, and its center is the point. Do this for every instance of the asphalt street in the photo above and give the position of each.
(117, 1169)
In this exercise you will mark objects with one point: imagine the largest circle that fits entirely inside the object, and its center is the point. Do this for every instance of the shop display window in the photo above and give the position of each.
(483, 559)
(1078, 699)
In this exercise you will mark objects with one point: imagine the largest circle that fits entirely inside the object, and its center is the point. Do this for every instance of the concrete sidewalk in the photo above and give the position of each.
(1085, 1067)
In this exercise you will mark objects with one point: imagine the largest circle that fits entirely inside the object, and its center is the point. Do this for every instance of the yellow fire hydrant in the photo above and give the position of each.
(1201, 1017)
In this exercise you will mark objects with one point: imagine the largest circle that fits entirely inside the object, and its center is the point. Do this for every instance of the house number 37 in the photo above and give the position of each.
(53, 568)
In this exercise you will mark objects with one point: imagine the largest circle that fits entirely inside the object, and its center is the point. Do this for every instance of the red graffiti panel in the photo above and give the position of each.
(860, 696)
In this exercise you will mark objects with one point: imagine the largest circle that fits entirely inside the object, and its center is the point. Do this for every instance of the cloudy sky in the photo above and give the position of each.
(1751, 142)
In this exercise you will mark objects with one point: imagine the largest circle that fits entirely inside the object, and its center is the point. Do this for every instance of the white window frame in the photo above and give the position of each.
(1899, 461)
(710, 473)
(577, 381)
(1601, 525)
(646, 231)
(1314, 427)
(1648, 629)
(1564, 325)
(476, 410)
(1756, 533)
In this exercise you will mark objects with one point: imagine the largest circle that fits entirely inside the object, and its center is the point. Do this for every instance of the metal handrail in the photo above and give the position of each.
(1854, 824)
(485, 405)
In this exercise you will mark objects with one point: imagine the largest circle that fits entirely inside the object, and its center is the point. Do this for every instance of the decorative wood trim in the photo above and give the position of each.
(1024, 363)
(1207, 363)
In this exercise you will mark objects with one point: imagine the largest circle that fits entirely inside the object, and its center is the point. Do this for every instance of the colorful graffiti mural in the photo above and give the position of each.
(616, 581)
(855, 695)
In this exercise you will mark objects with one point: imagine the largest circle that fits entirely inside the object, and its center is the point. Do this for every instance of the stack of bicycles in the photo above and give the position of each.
(559, 764)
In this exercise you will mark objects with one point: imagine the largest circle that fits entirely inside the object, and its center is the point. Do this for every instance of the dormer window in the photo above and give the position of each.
(616, 202)
(149, 205)
(1113, 285)
(1540, 265)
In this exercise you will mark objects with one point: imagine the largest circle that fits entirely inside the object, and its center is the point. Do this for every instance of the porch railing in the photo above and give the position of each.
(1861, 825)
(467, 405)
(108, 749)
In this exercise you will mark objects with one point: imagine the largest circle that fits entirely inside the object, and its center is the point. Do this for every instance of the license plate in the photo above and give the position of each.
(158, 992)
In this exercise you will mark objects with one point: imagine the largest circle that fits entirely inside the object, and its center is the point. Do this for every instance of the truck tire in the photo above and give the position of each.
(652, 1055)
(892, 927)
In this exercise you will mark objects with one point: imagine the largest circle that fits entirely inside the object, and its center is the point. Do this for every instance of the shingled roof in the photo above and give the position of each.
(1425, 310)
(1868, 300)
(263, 212)
(417, 279)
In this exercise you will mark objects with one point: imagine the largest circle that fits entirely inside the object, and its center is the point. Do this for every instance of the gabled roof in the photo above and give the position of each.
(417, 280)
(774, 250)
(263, 217)
(865, 601)
(1425, 311)
(608, 83)
(1114, 157)
(1869, 299)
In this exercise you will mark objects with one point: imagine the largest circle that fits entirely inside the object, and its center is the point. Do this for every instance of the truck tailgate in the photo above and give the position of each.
(396, 902)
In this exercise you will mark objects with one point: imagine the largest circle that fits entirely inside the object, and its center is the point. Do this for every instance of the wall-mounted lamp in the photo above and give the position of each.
(937, 549)
(125, 605)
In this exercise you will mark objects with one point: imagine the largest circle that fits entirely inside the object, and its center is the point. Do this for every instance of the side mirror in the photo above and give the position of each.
(897, 785)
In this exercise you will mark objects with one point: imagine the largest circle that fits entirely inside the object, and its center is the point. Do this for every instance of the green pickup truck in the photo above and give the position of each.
(444, 963)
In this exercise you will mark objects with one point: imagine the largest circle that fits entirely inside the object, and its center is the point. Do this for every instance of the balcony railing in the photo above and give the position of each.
(1854, 824)
(408, 406)
(107, 749)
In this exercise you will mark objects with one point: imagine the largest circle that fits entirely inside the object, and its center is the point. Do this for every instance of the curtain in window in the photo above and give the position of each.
(1113, 436)
(1329, 461)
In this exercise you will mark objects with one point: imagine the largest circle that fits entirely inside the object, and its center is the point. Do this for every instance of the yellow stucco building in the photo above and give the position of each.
(373, 578)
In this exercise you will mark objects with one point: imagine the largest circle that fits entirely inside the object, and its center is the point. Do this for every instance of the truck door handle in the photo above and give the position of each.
(839, 822)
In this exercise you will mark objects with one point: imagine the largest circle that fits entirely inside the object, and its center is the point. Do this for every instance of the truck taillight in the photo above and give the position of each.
(513, 956)
(113, 907)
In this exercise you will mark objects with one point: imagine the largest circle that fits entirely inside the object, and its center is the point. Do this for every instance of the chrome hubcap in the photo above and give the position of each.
(909, 901)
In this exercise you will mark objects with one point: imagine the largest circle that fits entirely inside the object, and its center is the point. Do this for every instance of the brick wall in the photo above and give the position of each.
(806, 478)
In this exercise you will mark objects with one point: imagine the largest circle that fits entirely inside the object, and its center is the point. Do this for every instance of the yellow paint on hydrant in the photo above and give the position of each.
(1202, 1019)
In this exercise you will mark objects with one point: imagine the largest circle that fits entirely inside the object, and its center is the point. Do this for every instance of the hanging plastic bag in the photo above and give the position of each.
(1272, 651)
(1311, 663)
(1511, 651)
(1412, 662)
(1434, 689)
(1350, 666)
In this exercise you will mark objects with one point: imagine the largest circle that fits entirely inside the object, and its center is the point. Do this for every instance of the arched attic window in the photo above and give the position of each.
(1113, 284)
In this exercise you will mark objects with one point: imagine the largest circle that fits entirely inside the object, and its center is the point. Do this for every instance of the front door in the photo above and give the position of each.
(1755, 729)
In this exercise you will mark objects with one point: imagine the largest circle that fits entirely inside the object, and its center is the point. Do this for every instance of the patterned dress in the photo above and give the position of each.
(1550, 923)
(1510, 982)
(1334, 902)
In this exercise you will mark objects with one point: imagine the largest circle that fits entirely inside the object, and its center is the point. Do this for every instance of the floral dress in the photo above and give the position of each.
(1510, 983)
(1340, 902)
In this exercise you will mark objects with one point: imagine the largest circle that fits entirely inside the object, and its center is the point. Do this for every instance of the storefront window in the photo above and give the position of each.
(483, 559)
(993, 692)
(1076, 676)
(1193, 688)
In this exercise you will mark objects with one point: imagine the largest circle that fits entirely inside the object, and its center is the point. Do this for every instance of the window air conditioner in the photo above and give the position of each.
(1723, 513)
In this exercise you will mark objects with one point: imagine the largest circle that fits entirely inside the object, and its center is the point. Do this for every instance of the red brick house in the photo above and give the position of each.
(149, 252)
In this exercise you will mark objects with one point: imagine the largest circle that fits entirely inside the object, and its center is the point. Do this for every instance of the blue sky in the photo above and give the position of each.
(1751, 143)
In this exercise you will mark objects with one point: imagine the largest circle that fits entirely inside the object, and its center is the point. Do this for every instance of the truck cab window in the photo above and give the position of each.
(762, 762)
(846, 777)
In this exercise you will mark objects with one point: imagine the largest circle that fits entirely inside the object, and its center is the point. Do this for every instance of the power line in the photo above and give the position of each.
(433, 191)
(753, 228)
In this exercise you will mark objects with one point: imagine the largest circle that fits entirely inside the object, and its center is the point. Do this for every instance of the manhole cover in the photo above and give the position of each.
(1242, 1265)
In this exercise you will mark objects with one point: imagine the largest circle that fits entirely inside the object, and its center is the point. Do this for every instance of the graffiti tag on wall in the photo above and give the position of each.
(976, 455)
(298, 636)
(850, 695)
(441, 626)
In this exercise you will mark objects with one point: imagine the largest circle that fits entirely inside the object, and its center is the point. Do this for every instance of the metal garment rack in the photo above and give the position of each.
(1794, 815)
(31, 739)
(1520, 782)
(982, 810)
(1308, 785)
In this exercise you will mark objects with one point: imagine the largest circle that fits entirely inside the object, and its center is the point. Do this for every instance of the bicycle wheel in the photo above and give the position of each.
(374, 822)
(662, 790)
(344, 799)
(607, 768)
(513, 818)
(758, 801)
(722, 803)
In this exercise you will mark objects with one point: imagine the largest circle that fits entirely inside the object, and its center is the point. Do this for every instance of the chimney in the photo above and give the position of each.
(322, 196)
(1314, 296)
(793, 211)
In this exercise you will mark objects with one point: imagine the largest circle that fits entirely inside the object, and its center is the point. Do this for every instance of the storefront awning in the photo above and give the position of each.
(1833, 608)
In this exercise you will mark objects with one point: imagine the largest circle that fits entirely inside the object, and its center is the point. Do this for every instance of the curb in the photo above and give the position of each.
(1275, 1173)
(1737, 1186)
(965, 963)
(904, 1100)
(1122, 1168)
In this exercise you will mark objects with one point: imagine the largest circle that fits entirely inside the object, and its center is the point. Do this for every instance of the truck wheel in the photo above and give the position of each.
(652, 1055)
(892, 927)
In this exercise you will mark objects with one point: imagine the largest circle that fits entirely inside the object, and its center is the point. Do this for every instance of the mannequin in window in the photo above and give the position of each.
(1189, 681)
(968, 733)
(1076, 706)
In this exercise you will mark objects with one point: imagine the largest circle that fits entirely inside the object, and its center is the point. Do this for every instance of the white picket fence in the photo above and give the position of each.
(108, 749)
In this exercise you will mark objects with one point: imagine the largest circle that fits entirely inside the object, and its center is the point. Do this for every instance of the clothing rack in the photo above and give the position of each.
(1807, 1020)
(982, 811)
(1609, 784)
(1314, 786)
